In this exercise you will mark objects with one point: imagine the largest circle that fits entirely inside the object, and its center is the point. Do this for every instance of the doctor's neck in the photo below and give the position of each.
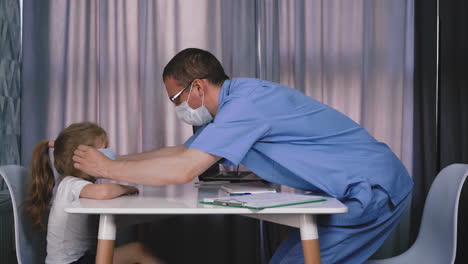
(212, 97)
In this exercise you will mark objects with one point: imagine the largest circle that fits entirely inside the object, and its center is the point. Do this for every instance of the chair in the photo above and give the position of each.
(30, 243)
(437, 239)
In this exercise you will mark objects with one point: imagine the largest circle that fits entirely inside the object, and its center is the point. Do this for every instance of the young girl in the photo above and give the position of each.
(71, 238)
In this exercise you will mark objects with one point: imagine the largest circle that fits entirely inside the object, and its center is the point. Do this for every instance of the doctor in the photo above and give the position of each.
(284, 137)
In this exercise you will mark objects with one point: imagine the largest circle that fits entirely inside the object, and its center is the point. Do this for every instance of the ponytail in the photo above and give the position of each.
(42, 185)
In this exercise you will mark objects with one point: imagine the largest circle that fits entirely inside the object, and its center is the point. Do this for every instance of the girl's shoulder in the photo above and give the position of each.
(72, 180)
(71, 187)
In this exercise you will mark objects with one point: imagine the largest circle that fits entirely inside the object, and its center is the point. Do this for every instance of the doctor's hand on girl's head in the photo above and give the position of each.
(92, 162)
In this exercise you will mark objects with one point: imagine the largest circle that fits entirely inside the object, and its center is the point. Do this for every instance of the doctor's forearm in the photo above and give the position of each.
(155, 171)
(167, 151)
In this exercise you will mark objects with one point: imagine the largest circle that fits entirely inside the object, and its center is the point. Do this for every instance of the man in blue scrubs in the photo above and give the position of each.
(284, 137)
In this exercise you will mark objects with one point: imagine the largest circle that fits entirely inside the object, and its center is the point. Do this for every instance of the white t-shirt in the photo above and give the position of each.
(69, 236)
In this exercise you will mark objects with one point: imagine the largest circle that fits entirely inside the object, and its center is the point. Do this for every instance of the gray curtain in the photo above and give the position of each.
(102, 61)
(10, 103)
(10, 65)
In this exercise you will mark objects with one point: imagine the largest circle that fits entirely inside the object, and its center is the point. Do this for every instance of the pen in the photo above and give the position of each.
(238, 194)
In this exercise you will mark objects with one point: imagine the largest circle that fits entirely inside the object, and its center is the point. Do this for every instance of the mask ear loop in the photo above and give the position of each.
(203, 99)
(190, 92)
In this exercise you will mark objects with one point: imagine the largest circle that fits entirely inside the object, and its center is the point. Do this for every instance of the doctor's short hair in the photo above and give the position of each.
(193, 63)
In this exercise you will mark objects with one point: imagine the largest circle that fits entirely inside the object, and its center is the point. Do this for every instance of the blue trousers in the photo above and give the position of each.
(344, 244)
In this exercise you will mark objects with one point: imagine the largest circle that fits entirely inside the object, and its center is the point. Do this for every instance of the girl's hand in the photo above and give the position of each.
(130, 189)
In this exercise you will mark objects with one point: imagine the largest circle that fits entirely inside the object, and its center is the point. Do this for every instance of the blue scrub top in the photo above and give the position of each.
(288, 138)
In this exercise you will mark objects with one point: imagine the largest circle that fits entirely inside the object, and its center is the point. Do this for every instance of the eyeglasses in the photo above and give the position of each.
(174, 97)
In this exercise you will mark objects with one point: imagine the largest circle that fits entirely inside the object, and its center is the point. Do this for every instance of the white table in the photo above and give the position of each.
(184, 200)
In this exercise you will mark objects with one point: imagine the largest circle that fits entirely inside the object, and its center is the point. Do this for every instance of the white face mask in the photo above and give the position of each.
(108, 152)
(195, 117)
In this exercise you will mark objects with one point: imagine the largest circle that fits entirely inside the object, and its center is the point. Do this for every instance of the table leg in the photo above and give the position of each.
(309, 237)
(106, 239)
(308, 228)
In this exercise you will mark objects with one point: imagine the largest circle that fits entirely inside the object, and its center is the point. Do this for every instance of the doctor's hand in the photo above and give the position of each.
(92, 162)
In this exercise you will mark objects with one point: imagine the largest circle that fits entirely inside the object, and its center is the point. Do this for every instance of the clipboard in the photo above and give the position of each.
(264, 200)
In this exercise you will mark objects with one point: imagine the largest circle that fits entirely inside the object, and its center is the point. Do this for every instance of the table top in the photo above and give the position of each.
(184, 199)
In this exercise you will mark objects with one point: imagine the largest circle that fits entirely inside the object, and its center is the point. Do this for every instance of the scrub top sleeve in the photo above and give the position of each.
(236, 128)
(193, 137)
(230, 142)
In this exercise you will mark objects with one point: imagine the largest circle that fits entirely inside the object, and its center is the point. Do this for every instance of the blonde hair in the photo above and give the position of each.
(42, 177)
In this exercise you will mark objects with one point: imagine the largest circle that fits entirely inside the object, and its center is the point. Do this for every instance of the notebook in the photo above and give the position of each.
(263, 200)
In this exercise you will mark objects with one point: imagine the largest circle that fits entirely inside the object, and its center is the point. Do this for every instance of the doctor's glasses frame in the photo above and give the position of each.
(174, 97)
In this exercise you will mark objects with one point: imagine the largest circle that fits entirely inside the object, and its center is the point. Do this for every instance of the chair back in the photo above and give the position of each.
(30, 243)
(438, 232)
(437, 238)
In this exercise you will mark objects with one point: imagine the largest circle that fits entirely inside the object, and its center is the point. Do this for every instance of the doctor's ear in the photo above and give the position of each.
(199, 85)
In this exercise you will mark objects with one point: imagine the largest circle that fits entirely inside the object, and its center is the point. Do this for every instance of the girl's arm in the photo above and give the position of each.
(104, 191)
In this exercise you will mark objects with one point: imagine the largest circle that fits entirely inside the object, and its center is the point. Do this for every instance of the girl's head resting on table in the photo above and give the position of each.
(42, 176)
